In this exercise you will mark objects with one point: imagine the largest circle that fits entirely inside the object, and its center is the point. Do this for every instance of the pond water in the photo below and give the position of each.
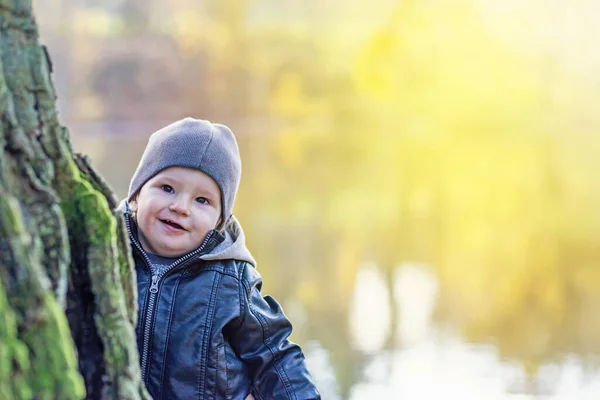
(432, 364)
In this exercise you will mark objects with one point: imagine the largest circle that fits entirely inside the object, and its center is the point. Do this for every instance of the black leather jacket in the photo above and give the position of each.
(205, 332)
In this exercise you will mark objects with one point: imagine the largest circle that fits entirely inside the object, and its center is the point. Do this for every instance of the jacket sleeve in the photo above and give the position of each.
(259, 337)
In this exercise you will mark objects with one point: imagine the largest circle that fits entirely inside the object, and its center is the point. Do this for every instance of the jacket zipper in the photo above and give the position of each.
(156, 277)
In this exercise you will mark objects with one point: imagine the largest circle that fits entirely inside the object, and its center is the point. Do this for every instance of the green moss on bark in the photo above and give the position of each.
(53, 363)
(14, 356)
(125, 262)
(87, 212)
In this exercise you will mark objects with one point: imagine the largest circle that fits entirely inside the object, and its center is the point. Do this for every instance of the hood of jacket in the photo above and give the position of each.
(231, 247)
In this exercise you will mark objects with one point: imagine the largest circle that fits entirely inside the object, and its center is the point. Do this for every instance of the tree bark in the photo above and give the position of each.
(67, 289)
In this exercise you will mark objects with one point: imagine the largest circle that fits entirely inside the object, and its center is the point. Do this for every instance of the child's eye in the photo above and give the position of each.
(167, 188)
(202, 200)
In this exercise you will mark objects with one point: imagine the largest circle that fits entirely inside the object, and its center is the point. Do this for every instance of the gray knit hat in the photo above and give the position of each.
(197, 144)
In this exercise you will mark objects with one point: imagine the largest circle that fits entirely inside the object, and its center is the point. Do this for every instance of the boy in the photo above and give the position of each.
(204, 330)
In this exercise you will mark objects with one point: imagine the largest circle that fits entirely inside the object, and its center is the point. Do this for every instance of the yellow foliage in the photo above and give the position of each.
(288, 98)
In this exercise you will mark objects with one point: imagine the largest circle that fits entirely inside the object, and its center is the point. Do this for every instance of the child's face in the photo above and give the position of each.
(175, 210)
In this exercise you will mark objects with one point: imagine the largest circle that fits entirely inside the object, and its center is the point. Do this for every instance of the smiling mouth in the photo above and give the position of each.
(171, 223)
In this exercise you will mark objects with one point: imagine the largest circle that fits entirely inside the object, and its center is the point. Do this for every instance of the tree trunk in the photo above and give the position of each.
(67, 290)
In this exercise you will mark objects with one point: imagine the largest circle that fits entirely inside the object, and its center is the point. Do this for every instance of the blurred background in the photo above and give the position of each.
(419, 183)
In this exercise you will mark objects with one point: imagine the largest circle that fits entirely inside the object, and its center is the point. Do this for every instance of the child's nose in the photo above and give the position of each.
(181, 206)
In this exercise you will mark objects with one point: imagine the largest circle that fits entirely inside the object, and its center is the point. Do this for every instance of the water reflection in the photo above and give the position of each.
(370, 310)
(434, 363)
(320, 363)
(415, 293)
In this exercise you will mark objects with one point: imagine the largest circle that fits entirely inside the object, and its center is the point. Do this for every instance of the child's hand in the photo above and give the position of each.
(250, 397)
